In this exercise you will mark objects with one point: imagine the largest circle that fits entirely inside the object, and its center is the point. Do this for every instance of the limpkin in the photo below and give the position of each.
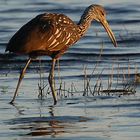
(52, 34)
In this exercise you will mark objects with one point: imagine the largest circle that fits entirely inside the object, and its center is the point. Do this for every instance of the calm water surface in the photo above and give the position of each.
(98, 117)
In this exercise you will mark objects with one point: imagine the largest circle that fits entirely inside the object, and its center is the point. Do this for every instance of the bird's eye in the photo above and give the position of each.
(102, 14)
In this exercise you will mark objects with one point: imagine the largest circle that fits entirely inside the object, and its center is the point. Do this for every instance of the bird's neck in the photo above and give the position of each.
(84, 23)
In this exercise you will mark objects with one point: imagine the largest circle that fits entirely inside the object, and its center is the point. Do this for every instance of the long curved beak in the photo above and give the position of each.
(109, 32)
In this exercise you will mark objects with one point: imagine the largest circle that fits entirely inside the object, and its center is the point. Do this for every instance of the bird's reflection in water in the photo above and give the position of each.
(46, 123)
(38, 126)
(51, 126)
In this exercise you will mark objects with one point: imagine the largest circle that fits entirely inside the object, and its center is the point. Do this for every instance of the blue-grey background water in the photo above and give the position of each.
(99, 117)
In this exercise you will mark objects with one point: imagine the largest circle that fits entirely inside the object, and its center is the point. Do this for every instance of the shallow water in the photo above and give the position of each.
(100, 117)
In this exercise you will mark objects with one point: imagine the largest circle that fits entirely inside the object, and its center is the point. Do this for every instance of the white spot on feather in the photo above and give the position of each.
(54, 41)
(68, 41)
(56, 31)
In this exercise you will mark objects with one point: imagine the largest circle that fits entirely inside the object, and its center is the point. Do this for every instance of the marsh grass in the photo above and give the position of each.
(127, 87)
(116, 84)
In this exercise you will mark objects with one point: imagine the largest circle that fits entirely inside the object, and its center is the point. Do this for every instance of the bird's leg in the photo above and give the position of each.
(20, 79)
(52, 81)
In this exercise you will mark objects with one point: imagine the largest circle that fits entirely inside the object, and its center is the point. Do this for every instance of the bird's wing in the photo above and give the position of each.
(57, 32)
(46, 32)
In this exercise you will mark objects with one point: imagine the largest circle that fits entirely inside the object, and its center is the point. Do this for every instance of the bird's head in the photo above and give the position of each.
(98, 13)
